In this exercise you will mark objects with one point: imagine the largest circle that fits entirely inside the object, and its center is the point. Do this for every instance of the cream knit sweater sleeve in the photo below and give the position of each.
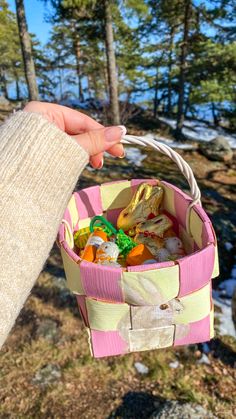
(39, 167)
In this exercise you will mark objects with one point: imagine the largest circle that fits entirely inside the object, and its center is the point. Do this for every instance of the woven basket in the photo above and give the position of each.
(148, 306)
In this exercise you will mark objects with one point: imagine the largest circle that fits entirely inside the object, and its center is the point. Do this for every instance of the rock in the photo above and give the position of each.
(172, 409)
(174, 364)
(141, 368)
(47, 375)
(217, 149)
(48, 330)
(234, 308)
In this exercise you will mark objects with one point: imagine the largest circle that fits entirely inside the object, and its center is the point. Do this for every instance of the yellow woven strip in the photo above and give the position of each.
(146, 339)
(72, 271)
(196, 226)
(84, 223)
(216, 271)
(212, 331)
(151, 287)
(168, 201)
(73, 211)
(116, 195)
(188, 241)
(196, 306)
(107, 316)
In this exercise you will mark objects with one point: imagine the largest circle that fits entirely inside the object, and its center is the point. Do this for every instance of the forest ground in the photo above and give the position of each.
(45, 366)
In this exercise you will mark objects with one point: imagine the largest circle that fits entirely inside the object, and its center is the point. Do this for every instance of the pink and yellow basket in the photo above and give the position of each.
(148, 306)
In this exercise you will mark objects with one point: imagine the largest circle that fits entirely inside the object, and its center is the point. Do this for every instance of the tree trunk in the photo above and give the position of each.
(78, 68)
(156, 95)
(25, 42)
(111, 64)
(169, 104)
(182, 74)
(17, 87)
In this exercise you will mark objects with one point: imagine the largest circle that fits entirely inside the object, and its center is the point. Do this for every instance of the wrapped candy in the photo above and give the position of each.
(95, 240)
(107, 254)
(140, 255)
(146, 200)
(163, 255)
(155, 227)
(175, 246)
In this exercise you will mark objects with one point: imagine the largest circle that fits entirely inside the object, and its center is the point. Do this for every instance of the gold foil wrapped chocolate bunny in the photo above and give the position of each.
(146, 200)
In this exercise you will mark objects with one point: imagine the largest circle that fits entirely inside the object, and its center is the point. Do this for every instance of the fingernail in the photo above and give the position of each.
(123, 129)
(113, 134)
(101, 164)
(122, 156)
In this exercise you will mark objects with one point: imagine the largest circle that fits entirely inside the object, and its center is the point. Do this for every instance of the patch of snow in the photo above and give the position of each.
(204, 360)
(228, 287)
(141, 368)
(228, 246)
(167, 141)
(200, 131)
(174, 364)
(226, 326)
(134, 156)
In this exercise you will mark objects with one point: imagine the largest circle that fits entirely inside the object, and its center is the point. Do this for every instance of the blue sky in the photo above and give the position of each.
(35, 14)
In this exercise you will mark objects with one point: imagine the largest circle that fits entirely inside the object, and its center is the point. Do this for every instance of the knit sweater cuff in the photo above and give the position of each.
(40, 158)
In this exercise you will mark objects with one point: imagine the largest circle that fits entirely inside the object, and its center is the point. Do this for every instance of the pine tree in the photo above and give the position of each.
(26, 47)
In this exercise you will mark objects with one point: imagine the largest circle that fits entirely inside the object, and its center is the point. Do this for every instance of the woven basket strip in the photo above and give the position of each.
(81, 300)
(73, 210)
(107, 343)
(101, 282)
(181, 202)
(187, 240)
(212, 331)
(151, 287)
(85, 222)
(168, 203)
(153, 266)
(107, 316)
(72, 271)
(112, 215)
(115, 195)
(196, 228)
(199, 332)
(197, 305)
(89, 202)
(196, 270)
(147, 339)
(216, 270)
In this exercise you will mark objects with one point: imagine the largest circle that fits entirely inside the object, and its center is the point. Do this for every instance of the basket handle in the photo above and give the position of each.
(173, 155)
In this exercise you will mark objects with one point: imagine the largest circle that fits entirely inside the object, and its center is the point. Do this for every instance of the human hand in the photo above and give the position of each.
(92, 136)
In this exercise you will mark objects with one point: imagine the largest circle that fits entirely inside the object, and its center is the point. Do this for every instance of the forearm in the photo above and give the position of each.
(39, 167)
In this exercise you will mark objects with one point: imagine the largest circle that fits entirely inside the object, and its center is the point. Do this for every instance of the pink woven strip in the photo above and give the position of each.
(81, 300)
(101, 282)
(107, 343)
(112, 215)
(89, 202)
(141, 268)
(199, 332)
(182, 202)
(196, 270)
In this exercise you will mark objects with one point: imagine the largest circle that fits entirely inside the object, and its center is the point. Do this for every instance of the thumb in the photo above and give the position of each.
(99, 140)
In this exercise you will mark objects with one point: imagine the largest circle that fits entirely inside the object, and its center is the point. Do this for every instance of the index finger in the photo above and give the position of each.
(77, 122)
